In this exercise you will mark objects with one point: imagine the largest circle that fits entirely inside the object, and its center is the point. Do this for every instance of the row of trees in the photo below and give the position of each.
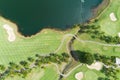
(89, 58)
(25, 67)
(107, 60)
(110, 73)
(95, 32)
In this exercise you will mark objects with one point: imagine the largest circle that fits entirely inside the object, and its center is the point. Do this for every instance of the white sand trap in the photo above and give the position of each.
(10, 32)
(113, 17)
(79, 76)
(96, 65)
(119, 34)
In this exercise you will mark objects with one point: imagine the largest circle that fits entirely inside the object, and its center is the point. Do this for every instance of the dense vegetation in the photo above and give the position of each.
(95, 33)
(109, 66)
(83, 57)
(25, 67)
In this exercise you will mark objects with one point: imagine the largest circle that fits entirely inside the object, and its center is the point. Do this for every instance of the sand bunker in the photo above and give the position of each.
(96, 65)
(113, 17)
(79, 76)
(119, 34)
(10, 32)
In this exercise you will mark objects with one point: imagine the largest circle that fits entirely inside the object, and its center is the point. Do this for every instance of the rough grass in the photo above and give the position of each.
(48, 73)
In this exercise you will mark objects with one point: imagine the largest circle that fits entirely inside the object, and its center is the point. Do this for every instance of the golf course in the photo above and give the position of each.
(49, 54)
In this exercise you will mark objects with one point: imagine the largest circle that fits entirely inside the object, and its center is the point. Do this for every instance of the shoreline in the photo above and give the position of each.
(19, 34)
(96, 12)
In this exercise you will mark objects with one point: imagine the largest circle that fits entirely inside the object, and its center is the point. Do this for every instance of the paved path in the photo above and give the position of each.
(87, 41)
(80, 40)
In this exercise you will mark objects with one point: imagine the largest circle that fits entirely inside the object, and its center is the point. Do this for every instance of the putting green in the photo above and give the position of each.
(108, 26)
(90, 75)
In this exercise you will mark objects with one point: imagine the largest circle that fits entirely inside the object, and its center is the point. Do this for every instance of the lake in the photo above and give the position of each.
(31, 16)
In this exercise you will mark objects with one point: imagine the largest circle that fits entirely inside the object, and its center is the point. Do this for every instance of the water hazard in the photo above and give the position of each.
(33, 15)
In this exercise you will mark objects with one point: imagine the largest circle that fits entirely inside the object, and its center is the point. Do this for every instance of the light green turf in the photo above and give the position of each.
(50, 73)
(88, 74)
(108, 26)
(45, 42)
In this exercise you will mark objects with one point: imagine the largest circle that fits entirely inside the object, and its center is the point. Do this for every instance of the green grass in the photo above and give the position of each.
(48, 41)
(45, 42)
(48, 73)
(108, 26)
(87, 73)
(95, 48)
(90, 75)
(36, 74)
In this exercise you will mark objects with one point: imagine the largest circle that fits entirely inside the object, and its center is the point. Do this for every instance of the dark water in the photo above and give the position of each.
(33, 15)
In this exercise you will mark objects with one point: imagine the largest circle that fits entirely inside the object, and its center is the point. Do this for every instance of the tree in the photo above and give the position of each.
(65, 55)
(89, 59)
(101, 78)
(2, 68)
(97, 57)
(37, 55)
(84, 57)
(24, 64)
(30, 59)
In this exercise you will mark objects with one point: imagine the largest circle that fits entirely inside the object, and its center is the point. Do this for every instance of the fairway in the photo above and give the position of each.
(45, 42)
(53, 53)
(50, 73)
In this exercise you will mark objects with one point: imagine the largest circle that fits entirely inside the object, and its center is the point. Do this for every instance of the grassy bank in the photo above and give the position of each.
(101, 7)
(45, 42)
